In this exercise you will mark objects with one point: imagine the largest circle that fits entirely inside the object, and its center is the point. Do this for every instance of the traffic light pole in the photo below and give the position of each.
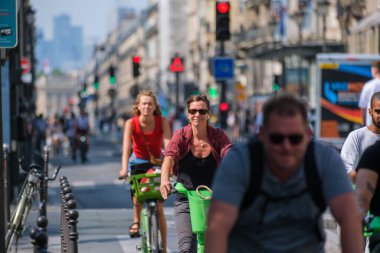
(176, 95)
(223, 95)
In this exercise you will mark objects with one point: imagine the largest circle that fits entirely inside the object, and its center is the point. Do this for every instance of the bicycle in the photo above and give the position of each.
(146, 188)
(371, 225)
(199, 201)
(34, 181)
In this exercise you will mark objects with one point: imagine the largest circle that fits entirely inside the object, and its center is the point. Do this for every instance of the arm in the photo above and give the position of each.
(166, 167)
(127, 147)
(166, 132)
(350, 155)
(364, 116)
(345, 210)
(221, 219)
(366, 182)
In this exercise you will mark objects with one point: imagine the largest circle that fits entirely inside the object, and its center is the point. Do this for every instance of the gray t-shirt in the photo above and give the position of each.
(354, 146)
(284, 226)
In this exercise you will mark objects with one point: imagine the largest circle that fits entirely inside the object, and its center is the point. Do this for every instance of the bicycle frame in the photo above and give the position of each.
(24, 204)
(34, 181)
(148, 193)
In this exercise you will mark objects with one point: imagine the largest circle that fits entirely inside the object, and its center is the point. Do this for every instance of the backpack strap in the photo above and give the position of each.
(314, 185)
(256, 153)
(313, 180)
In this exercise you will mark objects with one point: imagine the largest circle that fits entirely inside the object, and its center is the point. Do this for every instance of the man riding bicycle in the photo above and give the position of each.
(368, 189)
(280, 209)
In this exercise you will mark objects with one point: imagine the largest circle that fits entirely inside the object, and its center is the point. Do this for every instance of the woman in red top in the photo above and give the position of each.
(148, 132)
(192, 155)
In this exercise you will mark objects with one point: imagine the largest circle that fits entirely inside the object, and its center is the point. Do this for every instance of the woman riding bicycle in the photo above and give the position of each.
(148, 132)
(192, 155)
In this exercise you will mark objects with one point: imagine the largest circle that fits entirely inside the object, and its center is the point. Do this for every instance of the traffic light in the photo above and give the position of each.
(112, 77)
(213, 92)
(96, 82)
(223, 114)
(276, 83)
(84, 88)
(223, 107)
(222, 20)
(136, 65)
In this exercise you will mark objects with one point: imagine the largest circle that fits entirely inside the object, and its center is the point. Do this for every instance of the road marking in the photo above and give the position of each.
(126, 244)
(82, 183)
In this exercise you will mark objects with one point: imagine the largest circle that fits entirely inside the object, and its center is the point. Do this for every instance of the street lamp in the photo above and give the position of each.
(345, 18)
(299, 18)
(322, 10)
(272, 25)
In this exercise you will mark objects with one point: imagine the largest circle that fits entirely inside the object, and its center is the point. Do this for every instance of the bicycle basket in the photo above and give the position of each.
(199, 201)
(146, 186)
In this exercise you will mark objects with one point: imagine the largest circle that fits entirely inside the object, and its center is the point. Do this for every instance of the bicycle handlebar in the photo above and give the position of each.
(54, 175)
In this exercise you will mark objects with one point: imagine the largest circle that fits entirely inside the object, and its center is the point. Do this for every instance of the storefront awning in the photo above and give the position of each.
(277, 50)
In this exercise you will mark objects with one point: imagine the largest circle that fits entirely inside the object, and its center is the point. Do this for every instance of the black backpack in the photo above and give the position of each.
(313, 181)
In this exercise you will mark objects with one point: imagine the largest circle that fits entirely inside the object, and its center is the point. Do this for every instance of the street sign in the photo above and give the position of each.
(177, 64)
(8, 24)
(223, 68)
(25, 65)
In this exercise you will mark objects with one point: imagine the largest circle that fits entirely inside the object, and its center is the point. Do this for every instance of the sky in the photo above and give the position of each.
(91, 15)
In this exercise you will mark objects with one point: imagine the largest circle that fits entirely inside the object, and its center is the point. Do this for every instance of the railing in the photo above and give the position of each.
(69, 219)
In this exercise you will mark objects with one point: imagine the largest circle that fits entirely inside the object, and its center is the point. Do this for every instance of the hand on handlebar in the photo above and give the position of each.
(165, 189)
(122, 175)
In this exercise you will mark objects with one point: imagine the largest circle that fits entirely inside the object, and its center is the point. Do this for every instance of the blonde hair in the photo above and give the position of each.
(148, 93)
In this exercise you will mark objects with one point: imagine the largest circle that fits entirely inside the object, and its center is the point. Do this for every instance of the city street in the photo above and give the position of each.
(105, 208)
(103, 202)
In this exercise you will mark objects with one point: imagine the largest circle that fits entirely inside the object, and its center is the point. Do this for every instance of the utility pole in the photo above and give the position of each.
(222, 30)
(3, 223)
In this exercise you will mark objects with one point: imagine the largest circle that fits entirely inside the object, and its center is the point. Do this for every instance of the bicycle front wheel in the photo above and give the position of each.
(154, 234)
(17, 222)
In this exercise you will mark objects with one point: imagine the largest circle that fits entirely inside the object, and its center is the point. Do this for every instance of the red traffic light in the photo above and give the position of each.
(223, 7)
(136, 59)
(177, 65)
(223, 107)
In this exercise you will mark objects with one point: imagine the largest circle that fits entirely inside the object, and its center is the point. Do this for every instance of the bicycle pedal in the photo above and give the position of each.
(138, 247)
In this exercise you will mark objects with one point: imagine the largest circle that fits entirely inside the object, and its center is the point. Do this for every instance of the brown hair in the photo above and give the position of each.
(148, 93)
(376, 65)
(196, 98)
(284, 105)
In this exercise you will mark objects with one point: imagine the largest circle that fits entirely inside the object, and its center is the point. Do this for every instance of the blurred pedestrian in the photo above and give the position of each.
(71, 129)
(40, 127)
(368, 90)
(192, 155)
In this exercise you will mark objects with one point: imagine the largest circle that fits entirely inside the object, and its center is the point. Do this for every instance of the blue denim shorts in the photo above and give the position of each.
(135, 160)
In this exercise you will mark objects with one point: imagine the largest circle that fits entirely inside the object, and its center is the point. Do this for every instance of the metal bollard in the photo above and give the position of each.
(69, 219)
(73, 234)
(46, 172)
(39, 237)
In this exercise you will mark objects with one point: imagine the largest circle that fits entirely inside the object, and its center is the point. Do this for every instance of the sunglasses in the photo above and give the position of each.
(194, 111)
(294, 139)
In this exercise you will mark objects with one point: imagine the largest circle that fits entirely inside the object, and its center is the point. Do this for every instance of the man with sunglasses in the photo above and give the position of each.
(360, 139)
(283, 216)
